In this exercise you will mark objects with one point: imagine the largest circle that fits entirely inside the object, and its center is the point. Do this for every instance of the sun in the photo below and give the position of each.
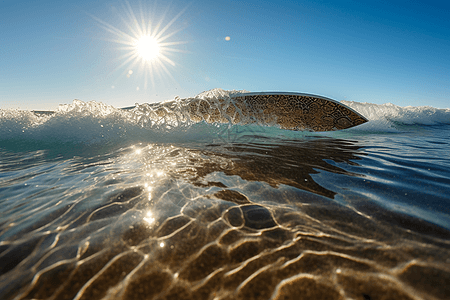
(146, 40)
(147, 48)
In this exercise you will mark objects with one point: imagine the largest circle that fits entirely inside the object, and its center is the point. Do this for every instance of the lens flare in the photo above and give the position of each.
(147, 41)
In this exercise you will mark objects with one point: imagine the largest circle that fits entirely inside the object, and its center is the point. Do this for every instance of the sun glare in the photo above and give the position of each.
(147, 42)
(147, 47)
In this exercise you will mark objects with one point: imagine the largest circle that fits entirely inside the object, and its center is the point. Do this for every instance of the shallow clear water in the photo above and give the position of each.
(96, 203)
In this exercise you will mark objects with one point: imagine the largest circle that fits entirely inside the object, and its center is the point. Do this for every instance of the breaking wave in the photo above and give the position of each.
(176, 120)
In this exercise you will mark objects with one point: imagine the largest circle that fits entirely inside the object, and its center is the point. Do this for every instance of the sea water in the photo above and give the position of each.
(99, 202)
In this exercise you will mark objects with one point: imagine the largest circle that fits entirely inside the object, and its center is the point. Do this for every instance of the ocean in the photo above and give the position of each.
(98, 202)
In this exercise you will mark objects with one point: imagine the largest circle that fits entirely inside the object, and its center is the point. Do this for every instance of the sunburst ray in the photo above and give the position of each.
(145, 41)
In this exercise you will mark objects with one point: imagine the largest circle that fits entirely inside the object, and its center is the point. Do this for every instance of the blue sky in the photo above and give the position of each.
(52, 52)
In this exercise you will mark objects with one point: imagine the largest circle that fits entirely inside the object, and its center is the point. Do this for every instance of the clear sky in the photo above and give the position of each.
(52, 52)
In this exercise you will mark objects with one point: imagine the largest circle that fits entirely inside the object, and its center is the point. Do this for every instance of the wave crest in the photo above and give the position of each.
(195, 117)
(409, 115)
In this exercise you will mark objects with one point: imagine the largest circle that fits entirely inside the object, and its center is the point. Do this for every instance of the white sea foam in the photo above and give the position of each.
(384, 117)
(96, 122)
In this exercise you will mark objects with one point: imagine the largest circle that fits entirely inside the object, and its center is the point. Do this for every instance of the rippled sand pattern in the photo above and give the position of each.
(197, 230)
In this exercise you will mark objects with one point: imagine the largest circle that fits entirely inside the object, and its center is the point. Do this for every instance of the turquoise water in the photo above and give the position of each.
(100, 202)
